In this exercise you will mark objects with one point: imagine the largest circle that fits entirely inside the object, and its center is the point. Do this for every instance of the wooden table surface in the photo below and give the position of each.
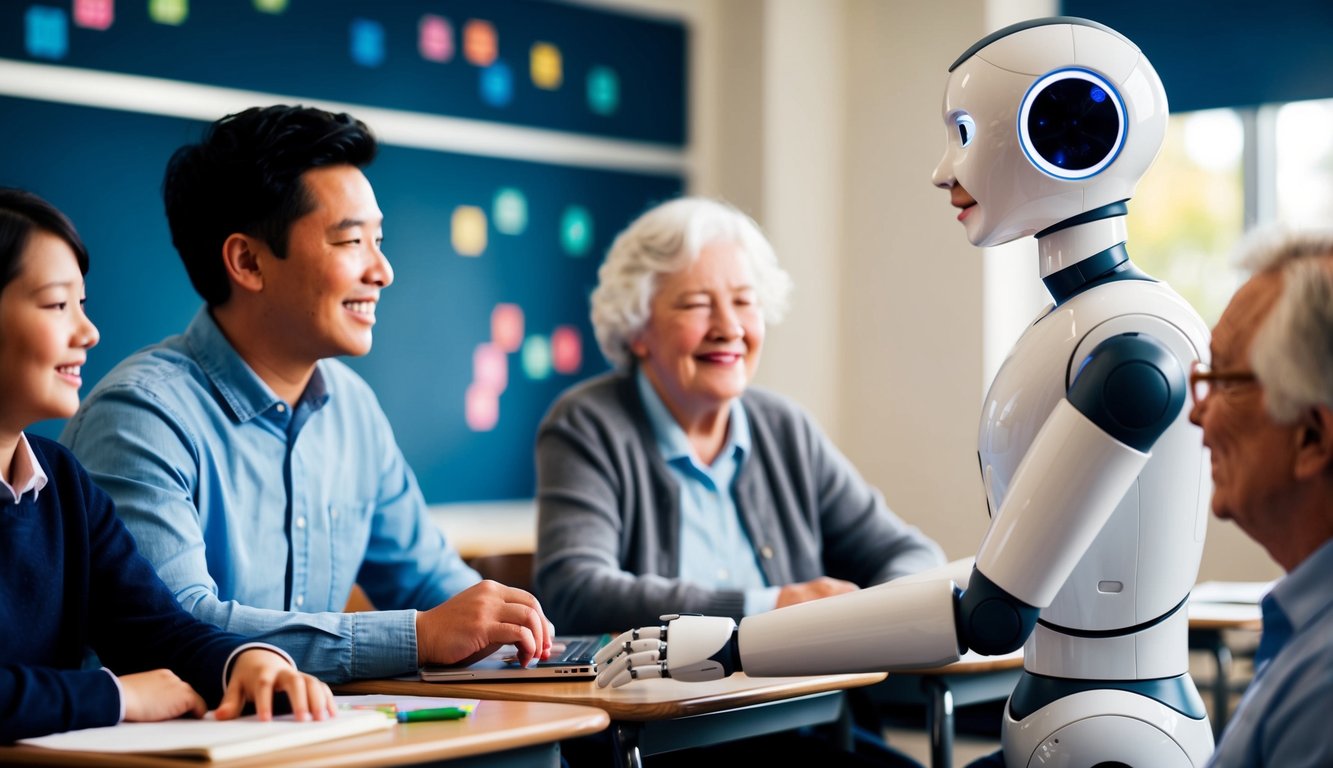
(1219, 616)
(494, 726)
(643, 700)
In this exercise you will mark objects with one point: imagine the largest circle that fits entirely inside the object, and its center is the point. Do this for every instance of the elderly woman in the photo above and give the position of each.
(670, 485)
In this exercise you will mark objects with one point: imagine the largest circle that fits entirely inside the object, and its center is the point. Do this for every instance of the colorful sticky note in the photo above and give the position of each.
(468, 230)
(544, 63)
(481, 45)
(510, 211)
(435, 38)
(481, 408)
(576, 230)
(566, 349)
(173, 12)
(490, 367)
(367, 42)
(94, 14)
(497, 85)
(46, 32)
(536, 357)
(507, 327)
(603, 90)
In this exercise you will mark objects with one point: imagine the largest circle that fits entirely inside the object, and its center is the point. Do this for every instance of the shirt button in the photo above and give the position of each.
(300, 522)
(333, 513)
(282, 407)
(300, 600)
(723, 575)
(767, 552)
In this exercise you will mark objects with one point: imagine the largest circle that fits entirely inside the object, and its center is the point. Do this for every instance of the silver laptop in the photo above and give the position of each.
(571, 659)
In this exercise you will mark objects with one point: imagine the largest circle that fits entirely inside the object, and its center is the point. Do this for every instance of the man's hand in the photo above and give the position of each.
(159, 695)
(814, 589)
(257, 673)
(480, 619)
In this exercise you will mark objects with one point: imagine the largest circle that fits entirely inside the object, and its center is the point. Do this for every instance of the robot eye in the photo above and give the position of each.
(1072, 124)
(967, 128)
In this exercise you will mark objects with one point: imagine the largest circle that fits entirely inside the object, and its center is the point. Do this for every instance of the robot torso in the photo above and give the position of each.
(1143, 563)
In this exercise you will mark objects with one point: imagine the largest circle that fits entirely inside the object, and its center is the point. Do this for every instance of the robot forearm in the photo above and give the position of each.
(892, 626)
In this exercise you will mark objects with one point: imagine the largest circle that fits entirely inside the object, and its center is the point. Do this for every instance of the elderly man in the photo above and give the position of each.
(1266, 409)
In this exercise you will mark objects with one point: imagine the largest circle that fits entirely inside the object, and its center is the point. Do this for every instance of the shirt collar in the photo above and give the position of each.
(1303, 593)
(671, 439)
(26, 473)
(244, 392)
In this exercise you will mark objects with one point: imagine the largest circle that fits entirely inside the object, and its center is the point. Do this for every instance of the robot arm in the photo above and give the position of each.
(1081, 463)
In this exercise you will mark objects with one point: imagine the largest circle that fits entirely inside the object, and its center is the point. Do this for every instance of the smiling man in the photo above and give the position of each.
(258, 474)
(1266, 409)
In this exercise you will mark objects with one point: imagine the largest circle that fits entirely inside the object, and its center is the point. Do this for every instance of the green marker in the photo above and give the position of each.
(426, 715)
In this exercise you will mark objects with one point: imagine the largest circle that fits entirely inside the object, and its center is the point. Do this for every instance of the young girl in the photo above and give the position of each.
(71, 580)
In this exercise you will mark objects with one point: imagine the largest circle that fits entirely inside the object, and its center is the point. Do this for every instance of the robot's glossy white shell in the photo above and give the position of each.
(1081, 732)
(1155, 535)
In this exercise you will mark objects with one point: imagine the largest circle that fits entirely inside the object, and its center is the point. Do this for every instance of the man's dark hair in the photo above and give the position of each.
(245, 177)
(21, 214)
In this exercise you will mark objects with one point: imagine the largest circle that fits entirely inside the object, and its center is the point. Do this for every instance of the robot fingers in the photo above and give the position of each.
(641, 639)
(638, 666)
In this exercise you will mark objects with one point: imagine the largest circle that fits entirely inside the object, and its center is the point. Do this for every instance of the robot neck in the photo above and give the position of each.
(1063, 248)
(1081, 255)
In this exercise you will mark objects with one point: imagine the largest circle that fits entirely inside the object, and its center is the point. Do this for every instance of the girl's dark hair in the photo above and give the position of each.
(21, 214)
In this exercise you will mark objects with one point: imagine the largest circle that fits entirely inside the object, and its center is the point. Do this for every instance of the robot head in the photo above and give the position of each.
(1046, 120)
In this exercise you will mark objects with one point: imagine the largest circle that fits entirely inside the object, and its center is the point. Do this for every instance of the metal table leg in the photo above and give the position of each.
(1221, 686)
(939, 717)
(625, 744)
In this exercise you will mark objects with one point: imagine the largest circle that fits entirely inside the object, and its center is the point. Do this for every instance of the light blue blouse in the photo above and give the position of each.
(715, 549)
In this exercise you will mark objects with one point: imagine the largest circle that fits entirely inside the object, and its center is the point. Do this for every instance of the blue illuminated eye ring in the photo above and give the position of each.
(1072, 123)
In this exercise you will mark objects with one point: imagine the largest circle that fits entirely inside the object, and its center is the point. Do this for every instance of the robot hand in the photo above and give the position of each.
(701, 648)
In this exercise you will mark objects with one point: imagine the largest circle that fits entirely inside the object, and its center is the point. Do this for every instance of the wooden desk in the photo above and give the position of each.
(652, 716)
(973, 679)
(1208, 622)
(497, 733)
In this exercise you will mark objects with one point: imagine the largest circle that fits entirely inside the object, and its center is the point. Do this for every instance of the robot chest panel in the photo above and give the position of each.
(1033, 378)
(1036, 374)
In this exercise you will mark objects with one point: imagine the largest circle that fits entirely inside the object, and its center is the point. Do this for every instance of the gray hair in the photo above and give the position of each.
(666, 239)
(1292, 351)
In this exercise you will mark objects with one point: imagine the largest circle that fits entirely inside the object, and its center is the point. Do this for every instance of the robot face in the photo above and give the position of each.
(1044, 121)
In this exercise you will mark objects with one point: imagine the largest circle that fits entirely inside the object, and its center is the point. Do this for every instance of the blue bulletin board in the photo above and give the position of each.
(494, 253)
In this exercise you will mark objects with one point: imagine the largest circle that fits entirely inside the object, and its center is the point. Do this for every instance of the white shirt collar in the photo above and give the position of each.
(25, 474)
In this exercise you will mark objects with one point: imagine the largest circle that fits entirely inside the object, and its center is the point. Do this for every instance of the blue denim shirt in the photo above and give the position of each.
(259, 516)
(715, 549)
(1283, 718)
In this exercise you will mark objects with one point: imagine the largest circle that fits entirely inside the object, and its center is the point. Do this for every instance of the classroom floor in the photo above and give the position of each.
(975, 736)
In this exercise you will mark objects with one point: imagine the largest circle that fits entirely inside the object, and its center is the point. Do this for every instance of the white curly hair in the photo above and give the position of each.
(666, 239)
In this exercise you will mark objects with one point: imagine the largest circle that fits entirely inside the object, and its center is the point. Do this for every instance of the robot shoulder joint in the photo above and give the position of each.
(1130, 386)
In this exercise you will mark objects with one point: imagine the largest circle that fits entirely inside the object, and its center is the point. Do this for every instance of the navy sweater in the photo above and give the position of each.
(71, 582)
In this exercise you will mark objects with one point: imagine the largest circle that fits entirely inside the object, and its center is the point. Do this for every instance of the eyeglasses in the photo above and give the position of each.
(1203, 379)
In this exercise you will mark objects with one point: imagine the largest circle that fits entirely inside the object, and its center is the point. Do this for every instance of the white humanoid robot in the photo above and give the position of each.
(1093, 474)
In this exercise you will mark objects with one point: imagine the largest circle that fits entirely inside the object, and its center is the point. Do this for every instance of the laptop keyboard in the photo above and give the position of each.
(579, 649)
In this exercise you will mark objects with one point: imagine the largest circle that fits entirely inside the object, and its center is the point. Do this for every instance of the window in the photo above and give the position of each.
(1304, 162)
(1188, 212)
(1222, 172)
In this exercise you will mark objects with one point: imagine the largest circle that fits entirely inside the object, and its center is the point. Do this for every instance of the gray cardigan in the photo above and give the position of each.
(608, 512)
